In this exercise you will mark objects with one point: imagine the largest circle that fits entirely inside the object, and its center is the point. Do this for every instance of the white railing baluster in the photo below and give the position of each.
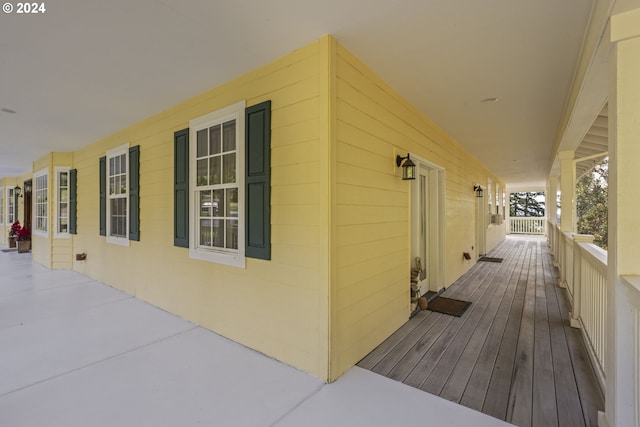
(527, 225)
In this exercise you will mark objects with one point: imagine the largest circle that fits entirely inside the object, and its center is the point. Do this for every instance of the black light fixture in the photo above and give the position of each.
(17, 191)
(478, 190)
(408, 167)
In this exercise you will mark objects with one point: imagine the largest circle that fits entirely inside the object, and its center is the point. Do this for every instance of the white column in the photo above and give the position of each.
(551, 199)
(568, 189)
(622, 399)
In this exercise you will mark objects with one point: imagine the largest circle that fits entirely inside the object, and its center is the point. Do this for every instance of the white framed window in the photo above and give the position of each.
(498, 198)
(1, 205)
(216, 177)
(41, 202)
(11, 206)
(118, 195)
(61, 216)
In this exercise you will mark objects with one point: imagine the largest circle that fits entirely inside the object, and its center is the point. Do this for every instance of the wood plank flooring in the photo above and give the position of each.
(512, 355)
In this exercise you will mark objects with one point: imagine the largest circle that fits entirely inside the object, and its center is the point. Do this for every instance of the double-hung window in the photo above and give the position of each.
(41, 202)
(62, 211)
(217, 186)
(11, 206)
(1, 205)
(117, 195)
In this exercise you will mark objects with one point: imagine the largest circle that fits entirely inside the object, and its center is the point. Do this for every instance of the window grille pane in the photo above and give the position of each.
(123, 163)
(214, 140)
(205, 204)
(229, 167)
(218, 233)
(63, 195)
(218, 203)
(232, 234)
(202, 143)
(205, 232)
(63, 179)
(214, 177)
(232, 203)
(229, 143)
(203, 172)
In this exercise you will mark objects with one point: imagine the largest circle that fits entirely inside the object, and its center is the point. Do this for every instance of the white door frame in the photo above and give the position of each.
(481, 223)
(434, 264)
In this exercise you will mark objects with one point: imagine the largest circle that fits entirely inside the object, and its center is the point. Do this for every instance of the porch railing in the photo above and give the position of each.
(632, 288)
(583, 271)
(527, 225)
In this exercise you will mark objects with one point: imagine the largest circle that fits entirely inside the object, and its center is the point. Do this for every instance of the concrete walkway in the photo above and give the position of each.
(75, 352)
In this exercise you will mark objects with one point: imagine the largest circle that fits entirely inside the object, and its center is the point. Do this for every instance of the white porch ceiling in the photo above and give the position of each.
(85, 69)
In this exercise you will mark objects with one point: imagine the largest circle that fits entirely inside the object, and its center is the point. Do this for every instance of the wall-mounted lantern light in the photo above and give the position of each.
(478, 190)
(17, 191)
(408, 167)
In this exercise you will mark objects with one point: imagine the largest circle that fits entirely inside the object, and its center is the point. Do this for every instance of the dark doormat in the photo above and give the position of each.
(453, 307)
(490, 259)
(10, 250)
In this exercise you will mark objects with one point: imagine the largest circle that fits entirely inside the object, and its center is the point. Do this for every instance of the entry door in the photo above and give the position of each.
(27, 203)
(481, 225)
(427, 226)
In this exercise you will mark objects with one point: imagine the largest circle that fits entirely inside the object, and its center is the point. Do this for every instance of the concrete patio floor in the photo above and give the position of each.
(75, 352)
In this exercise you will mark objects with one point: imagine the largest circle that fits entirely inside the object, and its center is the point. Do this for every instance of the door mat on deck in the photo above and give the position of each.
(453, 307)
(10, 250)
(490, 259)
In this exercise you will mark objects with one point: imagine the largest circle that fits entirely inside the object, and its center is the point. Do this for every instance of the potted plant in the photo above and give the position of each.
(23, 238)
(13, 231)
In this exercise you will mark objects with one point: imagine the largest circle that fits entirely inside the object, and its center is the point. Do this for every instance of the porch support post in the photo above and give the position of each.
(621, 398)
(568, 189)
(551, 199)
(507, 213)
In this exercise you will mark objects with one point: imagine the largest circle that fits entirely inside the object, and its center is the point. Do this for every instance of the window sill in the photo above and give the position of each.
(120, 241)
(234, 260)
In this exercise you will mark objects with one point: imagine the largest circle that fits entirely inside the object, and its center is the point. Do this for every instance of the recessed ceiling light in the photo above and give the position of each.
(489, 100)
(8, 110)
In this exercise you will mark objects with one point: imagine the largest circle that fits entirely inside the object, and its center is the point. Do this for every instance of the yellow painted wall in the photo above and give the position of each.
(278, 307)
(338, 281)
(370, 244)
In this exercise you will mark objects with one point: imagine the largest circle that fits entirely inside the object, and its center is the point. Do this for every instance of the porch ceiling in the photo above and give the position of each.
(595, 144)
(83, 70)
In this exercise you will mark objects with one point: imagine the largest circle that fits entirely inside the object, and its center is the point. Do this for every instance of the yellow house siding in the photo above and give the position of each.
(372, 208)
(278, 307)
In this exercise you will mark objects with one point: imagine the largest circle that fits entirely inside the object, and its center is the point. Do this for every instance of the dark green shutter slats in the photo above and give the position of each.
(258, 180)
(181, 188)
(134, 193)
(103, 196)
(73, 205)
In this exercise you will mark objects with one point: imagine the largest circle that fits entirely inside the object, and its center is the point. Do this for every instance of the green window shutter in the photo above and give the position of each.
(134, 193)
(73, 211)
(181, 188)
(103, 196)
(258, 180)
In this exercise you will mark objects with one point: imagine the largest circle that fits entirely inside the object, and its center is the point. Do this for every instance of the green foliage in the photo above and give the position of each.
(526, 204)
(592, 193)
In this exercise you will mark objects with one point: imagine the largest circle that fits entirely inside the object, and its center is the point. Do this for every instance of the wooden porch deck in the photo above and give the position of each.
(512, 355)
